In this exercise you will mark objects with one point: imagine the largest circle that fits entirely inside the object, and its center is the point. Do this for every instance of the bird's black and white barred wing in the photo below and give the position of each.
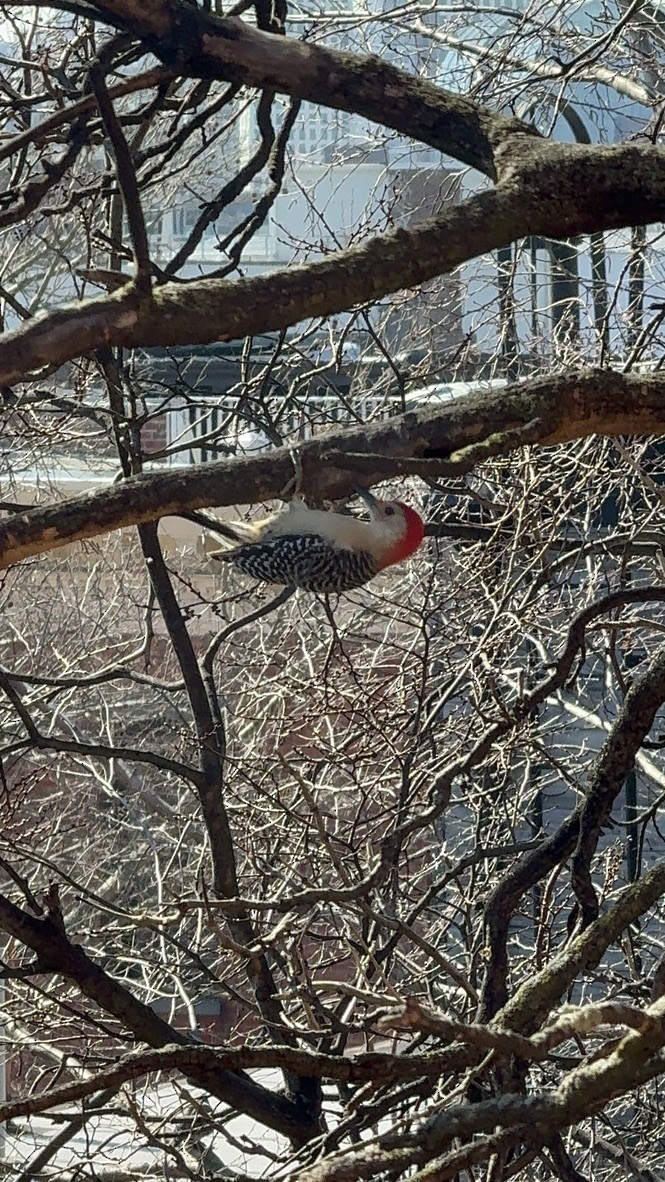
(303, 560)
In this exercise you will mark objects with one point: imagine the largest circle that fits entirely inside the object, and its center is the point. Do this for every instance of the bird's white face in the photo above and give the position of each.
(389, 516)
(400, 526)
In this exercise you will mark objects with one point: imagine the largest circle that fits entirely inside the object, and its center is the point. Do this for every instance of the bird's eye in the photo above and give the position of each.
(389, 511)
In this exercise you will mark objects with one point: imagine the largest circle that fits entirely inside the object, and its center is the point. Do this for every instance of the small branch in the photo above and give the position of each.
(258, 614)
(618, 1155)
(372, 462)
(45, 128)
(231, 190)
(31, 194)
(23, 885)
(126, 180)
(417, 1017)
(575, 1021)
(58, 954)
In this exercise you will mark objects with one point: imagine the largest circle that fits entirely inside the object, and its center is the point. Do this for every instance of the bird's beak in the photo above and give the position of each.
(369, 500)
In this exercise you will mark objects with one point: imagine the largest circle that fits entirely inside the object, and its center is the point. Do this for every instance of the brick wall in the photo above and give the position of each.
(153, 435)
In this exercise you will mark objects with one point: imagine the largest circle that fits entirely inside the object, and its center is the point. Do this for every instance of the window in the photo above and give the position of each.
(321, 134)
(183, 220)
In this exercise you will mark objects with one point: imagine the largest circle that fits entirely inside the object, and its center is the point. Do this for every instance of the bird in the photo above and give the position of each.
(319, 550)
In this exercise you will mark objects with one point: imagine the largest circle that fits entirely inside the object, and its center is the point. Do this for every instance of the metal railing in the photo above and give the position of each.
(207, 430)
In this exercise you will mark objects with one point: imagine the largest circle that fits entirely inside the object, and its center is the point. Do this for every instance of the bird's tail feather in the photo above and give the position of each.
(218, 546)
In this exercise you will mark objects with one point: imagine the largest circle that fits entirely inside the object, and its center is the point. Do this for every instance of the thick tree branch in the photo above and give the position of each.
(211, 740)
(565, 408)
(535, 999)
(580, 830)
(379, 1068)
(196, 43)
(531, 1120)
(641, 704)
(218, 309)
(126, 180)
(549, 189)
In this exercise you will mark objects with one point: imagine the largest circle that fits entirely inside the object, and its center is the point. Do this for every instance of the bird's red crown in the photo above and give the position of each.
(411, 538)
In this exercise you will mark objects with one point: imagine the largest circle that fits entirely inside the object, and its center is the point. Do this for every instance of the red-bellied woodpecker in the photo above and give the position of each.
(318, 550)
